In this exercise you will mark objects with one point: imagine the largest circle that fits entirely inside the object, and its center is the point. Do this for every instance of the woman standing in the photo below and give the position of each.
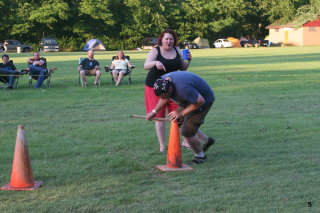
(164, 58)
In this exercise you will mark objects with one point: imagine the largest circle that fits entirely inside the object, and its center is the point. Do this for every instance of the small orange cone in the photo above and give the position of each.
(21, 174)
(174, 159)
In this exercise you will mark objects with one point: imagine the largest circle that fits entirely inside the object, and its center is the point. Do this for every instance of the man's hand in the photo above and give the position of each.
(38, 63)
(30, 61)
(175, 115)
(160, 104)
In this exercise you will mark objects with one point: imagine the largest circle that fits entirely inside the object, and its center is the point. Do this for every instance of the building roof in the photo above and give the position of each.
(315, 23)
(293, 24)
(277, 24)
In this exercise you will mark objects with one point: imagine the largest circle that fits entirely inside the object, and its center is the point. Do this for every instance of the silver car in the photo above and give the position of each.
(49, 44)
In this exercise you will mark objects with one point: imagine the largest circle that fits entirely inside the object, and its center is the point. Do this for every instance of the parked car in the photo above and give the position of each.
(244, 42)
(188, 45)
(263, 43)
(13, 44)
(249, 43)
(220, 43)
(49, 44)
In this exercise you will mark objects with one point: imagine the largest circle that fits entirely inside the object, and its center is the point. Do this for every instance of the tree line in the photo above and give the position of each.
(123, 24)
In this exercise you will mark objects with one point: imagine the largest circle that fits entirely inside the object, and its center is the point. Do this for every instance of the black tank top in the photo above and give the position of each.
(171, 65)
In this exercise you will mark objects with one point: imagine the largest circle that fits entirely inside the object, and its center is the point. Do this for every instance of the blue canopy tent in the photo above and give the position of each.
(94, 44)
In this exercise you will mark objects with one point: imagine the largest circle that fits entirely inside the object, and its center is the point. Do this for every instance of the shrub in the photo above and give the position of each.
(70, 43)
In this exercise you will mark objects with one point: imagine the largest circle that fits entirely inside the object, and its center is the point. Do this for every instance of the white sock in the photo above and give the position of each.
(200, 154)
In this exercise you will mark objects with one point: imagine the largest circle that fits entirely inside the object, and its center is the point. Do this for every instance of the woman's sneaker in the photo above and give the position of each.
(211, 141)
(198, 160)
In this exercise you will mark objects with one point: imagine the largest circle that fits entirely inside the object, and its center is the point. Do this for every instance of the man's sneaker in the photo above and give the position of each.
(211, 141)
(198, 160)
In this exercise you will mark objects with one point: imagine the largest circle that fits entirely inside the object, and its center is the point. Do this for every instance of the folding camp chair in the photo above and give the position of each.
(6, 82)
(47, 75)
(108, 69)
(80, 79)
(5, 79)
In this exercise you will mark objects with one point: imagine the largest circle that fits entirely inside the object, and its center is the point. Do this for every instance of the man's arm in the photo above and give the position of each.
(159, 105)
(30, 61)
(97, 65)
(174, 115)
(80, 68)
(82, 64)
(38, 63)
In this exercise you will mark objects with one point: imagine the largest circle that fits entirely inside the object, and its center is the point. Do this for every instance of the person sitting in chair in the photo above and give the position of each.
(8, 71)
(119, 67)
(89, 66)
(38, 67)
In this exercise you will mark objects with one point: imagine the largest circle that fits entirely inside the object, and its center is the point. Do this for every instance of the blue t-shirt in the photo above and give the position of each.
(187, 87)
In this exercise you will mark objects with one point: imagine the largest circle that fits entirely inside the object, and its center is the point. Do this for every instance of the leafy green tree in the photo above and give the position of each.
(95, 18)
(308, 12)
(147, 19)
(13, 13)
(5, 18)
(124, 23)
(49, 13)
(283, 11)
(213, 19)
(36, 17)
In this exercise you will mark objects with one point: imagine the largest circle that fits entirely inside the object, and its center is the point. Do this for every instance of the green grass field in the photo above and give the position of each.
(92, 157)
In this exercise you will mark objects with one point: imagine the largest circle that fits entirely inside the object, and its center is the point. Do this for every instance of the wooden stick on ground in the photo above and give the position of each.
(155, 119)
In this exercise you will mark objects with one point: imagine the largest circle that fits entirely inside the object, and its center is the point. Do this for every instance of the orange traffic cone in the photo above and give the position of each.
(21, 174)
(174, 159)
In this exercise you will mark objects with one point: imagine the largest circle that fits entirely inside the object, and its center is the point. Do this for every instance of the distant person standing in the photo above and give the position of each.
(5, 46)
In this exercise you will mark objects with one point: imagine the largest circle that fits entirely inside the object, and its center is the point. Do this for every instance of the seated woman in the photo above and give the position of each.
(8, 72)
(119, 67)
